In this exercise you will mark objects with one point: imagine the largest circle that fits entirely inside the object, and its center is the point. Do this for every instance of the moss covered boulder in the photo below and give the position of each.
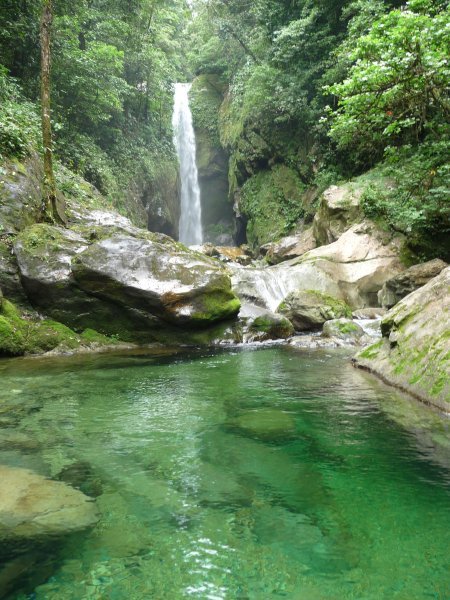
(344, 329)
(414, 353)
(122, 281)
(260, 325)
(310, 309)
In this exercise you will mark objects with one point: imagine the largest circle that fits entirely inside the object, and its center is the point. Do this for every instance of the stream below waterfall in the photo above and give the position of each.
(246, 473)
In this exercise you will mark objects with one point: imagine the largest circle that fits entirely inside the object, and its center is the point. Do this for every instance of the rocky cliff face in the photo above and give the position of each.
(414, 353)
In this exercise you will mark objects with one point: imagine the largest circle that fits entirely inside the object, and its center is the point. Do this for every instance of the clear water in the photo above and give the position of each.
(353, 502)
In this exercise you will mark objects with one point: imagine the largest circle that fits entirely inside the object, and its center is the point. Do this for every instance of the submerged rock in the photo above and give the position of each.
(310, 309)
(414, 353)
(404, 283)
(269, 425)
(34, 508)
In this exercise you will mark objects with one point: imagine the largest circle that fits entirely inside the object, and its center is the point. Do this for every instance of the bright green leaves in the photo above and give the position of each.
(396, 91)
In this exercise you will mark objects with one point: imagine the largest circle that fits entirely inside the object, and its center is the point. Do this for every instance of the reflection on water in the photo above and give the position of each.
(341, 493)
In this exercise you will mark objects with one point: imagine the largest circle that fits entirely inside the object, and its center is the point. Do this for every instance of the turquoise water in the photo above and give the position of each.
(243, 474)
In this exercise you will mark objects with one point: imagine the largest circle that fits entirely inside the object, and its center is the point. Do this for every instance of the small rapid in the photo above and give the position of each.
(184, 140)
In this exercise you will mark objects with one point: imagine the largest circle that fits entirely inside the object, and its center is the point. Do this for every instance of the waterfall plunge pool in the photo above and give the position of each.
(237, 474)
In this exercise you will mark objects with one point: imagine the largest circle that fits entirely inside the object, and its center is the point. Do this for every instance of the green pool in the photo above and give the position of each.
(240, 474)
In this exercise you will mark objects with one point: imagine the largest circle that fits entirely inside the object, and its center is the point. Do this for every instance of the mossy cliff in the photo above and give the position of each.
(205, 98)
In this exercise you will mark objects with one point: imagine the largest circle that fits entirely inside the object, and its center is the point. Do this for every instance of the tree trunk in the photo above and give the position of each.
(51, 211)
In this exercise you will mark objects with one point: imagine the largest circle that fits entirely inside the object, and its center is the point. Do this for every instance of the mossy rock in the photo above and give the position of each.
(342, 329)
(310, 309)
(272, 201)
(268, 425)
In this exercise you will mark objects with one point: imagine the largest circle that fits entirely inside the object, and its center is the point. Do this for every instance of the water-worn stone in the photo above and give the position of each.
(269, 425)
(118, 279)
(414, 353)
(339, 208)
(33, 507)
(260, 325)
(311, 309)
(290, 247)
(342, 329)
(404, 283)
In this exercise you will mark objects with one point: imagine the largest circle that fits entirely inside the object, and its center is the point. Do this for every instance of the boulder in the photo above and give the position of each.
(310, 309)
(404, 283)
(360, 262)
(369, 313)
(260, 325)
(170, 282)
(414, 353)
(345, 329)
(118, 279)
(34, 508)
(289, 247)
(339, 208)
(265, 424)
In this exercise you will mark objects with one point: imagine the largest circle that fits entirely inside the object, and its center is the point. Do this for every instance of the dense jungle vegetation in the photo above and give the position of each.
(310, 93)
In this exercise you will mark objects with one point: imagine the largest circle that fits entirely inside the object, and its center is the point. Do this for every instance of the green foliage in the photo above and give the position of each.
(19, 120)
(272, 203)
(396, 91)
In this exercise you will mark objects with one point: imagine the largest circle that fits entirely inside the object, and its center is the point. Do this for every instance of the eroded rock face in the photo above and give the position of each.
(118, 279)
(33, 507)
(404, 283)
(290, 247)
(339, 209)
(414, 353)
(310, 309)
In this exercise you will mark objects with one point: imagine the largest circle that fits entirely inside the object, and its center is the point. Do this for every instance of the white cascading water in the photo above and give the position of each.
(184, 141)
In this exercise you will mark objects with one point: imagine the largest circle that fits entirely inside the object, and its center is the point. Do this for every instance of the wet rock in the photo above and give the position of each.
(168, 281)
(339, 208)
(34, 508)
(410, 280)
(310, 309)
(260, 325)
(345, 329)
(268, 425)
(414, 353)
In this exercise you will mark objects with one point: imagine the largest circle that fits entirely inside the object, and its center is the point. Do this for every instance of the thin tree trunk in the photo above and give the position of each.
(50, 205)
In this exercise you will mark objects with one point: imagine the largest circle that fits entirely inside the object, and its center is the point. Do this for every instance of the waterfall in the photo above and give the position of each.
(184, 141)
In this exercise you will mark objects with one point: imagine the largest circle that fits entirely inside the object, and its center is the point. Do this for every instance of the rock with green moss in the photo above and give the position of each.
(273, 202)
(205, 98)
(310, 309)
(25, 333)
(345, 329)
(261, 325)
(414, 353)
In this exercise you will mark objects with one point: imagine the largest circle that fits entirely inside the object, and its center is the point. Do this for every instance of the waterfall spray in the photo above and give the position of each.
(184, 141)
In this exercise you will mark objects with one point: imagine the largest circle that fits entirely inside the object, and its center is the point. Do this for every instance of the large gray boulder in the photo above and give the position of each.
(34, 508)
(311, 309)
(118, 279)
(290, 247)
(414, 353)
(404, 283)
